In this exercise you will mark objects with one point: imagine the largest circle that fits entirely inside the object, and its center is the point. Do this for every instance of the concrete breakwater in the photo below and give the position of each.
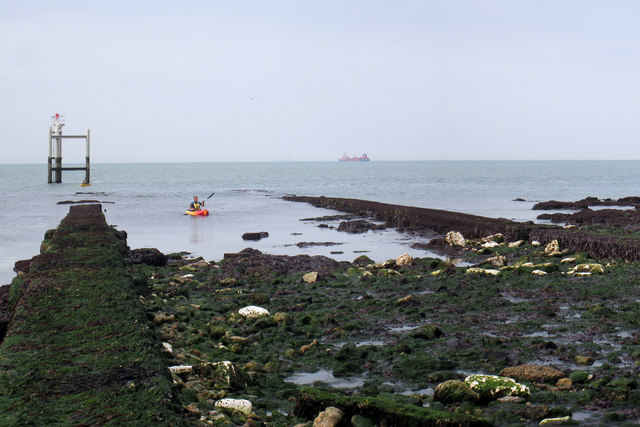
(78, 348)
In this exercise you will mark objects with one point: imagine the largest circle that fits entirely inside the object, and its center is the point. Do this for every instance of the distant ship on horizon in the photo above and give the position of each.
(345, 158)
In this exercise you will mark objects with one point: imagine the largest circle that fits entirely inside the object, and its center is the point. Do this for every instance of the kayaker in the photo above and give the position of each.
(196, 205)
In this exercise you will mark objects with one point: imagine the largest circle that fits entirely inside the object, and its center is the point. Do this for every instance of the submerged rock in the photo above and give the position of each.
(255, 236)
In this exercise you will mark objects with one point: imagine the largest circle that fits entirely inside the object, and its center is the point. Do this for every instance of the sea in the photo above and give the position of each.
(148, 201)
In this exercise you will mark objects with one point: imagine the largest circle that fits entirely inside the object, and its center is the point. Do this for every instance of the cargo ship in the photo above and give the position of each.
(345, 158)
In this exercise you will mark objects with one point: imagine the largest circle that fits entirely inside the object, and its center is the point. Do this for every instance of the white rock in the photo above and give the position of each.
(516, 243)
(589, 268)
(330, 417)
(253, 312)
(167, 347)
(539, 272)
(455, 239)
(568, 259)
(497, 261)
(240, 405)
(475, 270)
(535, 243)
(490, 245)
(553, 248)
(404, 259)
(311, 277)
(180, 369)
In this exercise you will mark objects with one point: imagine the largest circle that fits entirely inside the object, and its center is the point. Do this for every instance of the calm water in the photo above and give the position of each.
(149, 200)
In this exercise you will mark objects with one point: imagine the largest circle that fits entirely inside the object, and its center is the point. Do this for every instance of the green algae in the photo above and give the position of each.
(79, 349)
(367, 331)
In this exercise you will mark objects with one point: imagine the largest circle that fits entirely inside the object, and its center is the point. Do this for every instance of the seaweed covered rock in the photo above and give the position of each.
(454, 391)
(379, 410)
(534, 373)
(492, 387)
(223, 375)
(148, 256)
(358, 226)
(428, 332)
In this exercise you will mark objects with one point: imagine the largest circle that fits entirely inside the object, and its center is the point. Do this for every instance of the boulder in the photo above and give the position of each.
(454, 391)
(148, 256)
(330, 417)
(552, 249)
(516, 243)
(404, 259)
(255, 236)
(453, 238)
(539, 272)
(564, 384)
(583, 360)
(593, 268)
(533, 373)
(360, 421)
(497, 261)
(492, 387)
(310, 277)
(240, 405)
(428, 332)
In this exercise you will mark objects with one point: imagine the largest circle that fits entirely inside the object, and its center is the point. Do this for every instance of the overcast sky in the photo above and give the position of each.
(307, 80)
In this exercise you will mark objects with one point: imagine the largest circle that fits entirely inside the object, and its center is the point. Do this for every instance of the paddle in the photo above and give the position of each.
(207, 198)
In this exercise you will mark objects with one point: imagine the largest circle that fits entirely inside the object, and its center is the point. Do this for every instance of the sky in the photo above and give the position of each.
(280, 80)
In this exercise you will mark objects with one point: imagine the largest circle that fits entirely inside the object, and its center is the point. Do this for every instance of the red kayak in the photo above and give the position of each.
(202, 212)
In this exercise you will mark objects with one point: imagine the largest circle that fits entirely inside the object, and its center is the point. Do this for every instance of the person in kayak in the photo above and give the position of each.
(196, 205)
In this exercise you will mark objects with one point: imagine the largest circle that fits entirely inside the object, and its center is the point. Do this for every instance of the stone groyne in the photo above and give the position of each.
(424, 220)
(78, 348)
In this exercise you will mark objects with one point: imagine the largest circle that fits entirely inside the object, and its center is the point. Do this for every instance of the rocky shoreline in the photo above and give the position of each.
(532, 333)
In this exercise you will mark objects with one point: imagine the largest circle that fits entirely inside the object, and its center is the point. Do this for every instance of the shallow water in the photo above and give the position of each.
(325, 376)
(150, 199)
